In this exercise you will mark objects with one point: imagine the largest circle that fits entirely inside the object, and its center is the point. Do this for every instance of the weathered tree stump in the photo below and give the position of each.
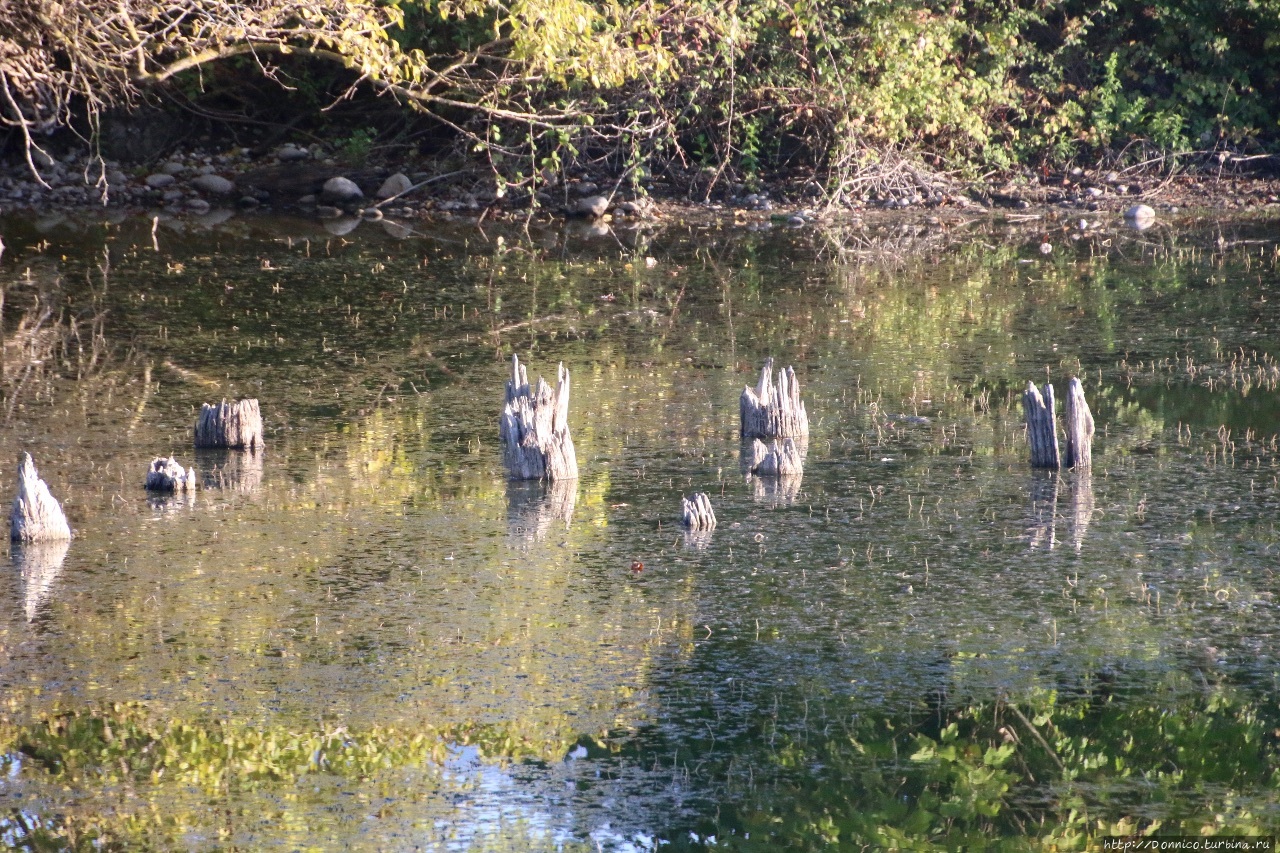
(166, 475)
(39, 564)
(1079, 428)
(235, 425)
(776, 461)
(1042, 433)
(773, 412)
(697, 513)
(36, 515)
(535, 428)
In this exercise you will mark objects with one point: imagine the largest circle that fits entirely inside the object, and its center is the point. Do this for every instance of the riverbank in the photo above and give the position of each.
(312, 181)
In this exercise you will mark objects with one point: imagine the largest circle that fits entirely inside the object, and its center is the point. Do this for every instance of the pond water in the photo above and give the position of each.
(366, 638)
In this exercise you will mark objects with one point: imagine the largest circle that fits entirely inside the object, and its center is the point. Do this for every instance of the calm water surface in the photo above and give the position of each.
(366, 638)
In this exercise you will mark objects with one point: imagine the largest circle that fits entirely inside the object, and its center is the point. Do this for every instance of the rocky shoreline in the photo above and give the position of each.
(311, 181)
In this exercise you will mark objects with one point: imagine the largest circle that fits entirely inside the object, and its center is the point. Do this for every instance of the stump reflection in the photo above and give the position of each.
(534, 509)
(38, 564)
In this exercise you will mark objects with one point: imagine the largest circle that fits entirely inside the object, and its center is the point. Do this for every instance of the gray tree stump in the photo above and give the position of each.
(776, 461)
(773, 412)
(1079, 428)
(36, 515)
(697, 513)
(39, 564)
(1042, 432)
(166, 475)
(535, 428)
(237, 425)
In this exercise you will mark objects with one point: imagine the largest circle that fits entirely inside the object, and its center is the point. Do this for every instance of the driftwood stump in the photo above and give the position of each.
(697, 513)
(36, 515)
(166, 475)
(237, 425)
(1042, 428)
(535, 428)
(773, 412)
(776, 461)
(1079, 428)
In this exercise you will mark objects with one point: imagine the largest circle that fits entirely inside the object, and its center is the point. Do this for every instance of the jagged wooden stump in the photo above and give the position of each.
(36, 515)
(697, 513)
(1079, 452)
(166, 475)
(776, 461)
(1042, 433)
(535, 428)
(237, 425)
(770, 411)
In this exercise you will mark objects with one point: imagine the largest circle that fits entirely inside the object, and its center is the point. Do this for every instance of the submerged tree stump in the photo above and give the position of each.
(236, 425)
(166, 475)
(36, 515)
(697, 513)
(776, 461)
(1042, 433)
(773, 412)
(1079, 428)
(535, 428)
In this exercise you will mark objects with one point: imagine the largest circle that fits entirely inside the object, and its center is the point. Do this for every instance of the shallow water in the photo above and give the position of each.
(372, 578)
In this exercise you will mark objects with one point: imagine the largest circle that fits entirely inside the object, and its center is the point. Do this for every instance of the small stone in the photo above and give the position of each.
(585, 188)
(307, 200)
(198, 205)
(173, 167)
(796, 221)
(1139, 212)
(214, 184)
(395, 185)
(328, 211)
(173, 195)
(1093, 192)
(160, 180)
(1046, 248)
(594, 206)
(289, 153)
(247, 202)
(340, 189)
(372, 214)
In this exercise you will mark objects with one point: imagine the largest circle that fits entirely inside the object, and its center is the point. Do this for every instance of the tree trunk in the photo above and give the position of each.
(773, 412)
(1079, 428)
(535, 428)
(166, 475)
(1042, 432)
(697, 513)
(36, 515)
(237, 425)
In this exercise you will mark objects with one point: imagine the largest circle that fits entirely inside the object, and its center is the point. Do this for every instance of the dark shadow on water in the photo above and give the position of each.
(1042, 514)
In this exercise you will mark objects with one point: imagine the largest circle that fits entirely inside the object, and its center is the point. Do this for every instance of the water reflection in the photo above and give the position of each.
(1082, 507)
(1042, 492)
(536, 508)
(38, 564)
(233, 470)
